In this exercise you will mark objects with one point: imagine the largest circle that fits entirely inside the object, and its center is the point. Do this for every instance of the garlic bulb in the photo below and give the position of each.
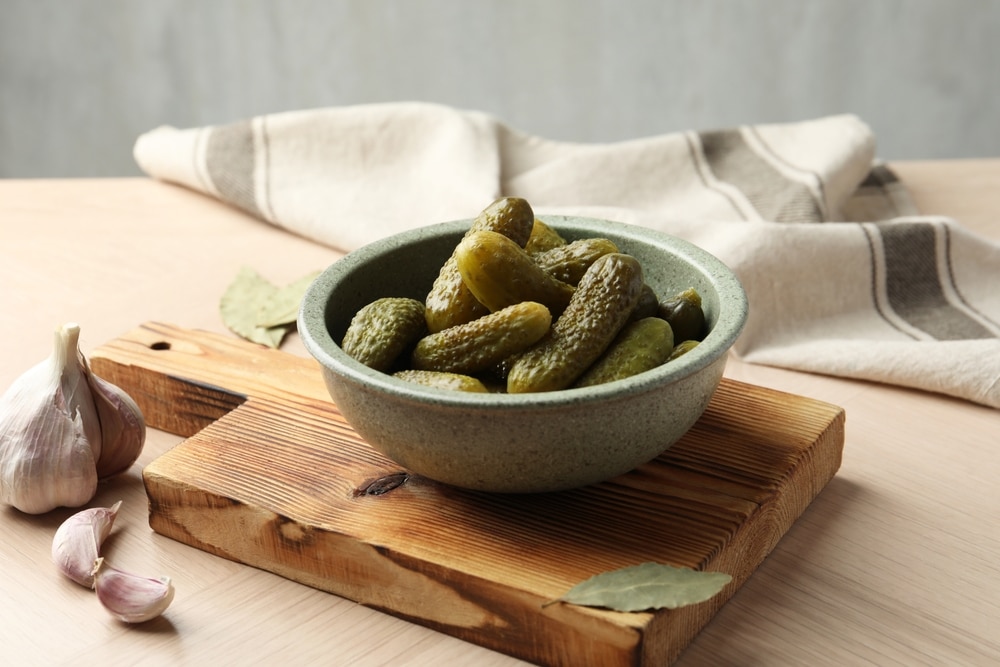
(129, 597)
(61, 429)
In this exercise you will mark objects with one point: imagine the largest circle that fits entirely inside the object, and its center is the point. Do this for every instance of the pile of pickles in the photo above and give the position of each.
(517, 308)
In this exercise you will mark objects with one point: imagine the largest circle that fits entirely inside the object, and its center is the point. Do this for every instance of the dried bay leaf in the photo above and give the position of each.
(241, 303)
(645, 587)
(283, 305)
(255, 309)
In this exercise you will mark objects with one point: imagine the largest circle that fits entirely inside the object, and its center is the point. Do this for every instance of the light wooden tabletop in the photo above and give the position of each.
(896, 562)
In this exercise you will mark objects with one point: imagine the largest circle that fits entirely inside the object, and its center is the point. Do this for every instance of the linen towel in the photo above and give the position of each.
(844, 277)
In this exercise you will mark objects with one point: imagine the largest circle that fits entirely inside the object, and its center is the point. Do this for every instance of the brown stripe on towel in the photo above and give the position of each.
(880, 196)
(775, 196)
(229, 159)
(879, 176)
(917, 286)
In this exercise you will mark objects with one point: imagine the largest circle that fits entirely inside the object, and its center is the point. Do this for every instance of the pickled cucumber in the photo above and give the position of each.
(648, 306)
(682, 348)
(382, 330)
(484, 343)
(452, 381)
(569, 262)
(600, 307)
(499, 273)
(520, 307)
(642, 345)
(543, 238)
(449, 301)
(685, 315)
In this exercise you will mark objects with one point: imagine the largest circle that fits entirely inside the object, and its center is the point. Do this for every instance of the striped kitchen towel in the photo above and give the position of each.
(843, 275)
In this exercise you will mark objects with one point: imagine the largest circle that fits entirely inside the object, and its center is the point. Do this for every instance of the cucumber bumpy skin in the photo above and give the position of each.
(449, 301)
(499, 273)
(382, 331)
(543, 238)
(452, 381)
(569, 262)
(482, 344)
(641, 346)
(601, 306)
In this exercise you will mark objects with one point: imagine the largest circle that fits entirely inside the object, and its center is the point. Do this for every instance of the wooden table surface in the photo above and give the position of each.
(897, 562)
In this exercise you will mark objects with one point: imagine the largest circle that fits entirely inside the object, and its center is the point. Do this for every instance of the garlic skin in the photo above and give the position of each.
(62, 429)
(123, 428)
(131, 598)
(76, 545)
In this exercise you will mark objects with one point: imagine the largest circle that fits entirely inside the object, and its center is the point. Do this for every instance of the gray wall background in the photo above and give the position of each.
(81, 79)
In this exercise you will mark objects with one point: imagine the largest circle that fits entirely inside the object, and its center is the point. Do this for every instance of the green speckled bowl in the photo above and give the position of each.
(523, 443)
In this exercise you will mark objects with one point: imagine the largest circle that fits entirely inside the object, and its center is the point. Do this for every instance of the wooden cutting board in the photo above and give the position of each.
(272, 476)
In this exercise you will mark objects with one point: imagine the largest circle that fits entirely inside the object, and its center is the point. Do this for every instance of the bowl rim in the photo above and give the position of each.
(321, 345)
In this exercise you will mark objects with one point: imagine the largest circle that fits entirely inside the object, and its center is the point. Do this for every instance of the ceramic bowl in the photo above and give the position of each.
(520, 443)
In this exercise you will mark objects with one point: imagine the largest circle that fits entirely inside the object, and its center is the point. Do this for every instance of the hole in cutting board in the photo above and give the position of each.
(161, 345)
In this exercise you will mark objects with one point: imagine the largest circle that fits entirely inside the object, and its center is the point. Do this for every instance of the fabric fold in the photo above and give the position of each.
(843, 275)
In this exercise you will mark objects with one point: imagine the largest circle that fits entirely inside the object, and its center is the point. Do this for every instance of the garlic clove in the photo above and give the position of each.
(50, 436)
(131, 598)
(123, 428)
(76, 545)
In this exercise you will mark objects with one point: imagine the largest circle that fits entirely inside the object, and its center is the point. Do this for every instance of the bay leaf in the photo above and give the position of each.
(254, 308)
(646, 587)
(282, 307)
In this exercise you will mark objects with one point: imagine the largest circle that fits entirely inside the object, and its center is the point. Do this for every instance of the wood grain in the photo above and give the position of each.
(271, 475)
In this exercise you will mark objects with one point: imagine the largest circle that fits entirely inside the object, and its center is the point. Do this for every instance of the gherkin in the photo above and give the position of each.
(499, 273)
(569, 262)
(382, 330)
(484, 343)
(543, 238)
(449, 301)
(600, 307)
(685, 315)
(440, 380)
(641, 346)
